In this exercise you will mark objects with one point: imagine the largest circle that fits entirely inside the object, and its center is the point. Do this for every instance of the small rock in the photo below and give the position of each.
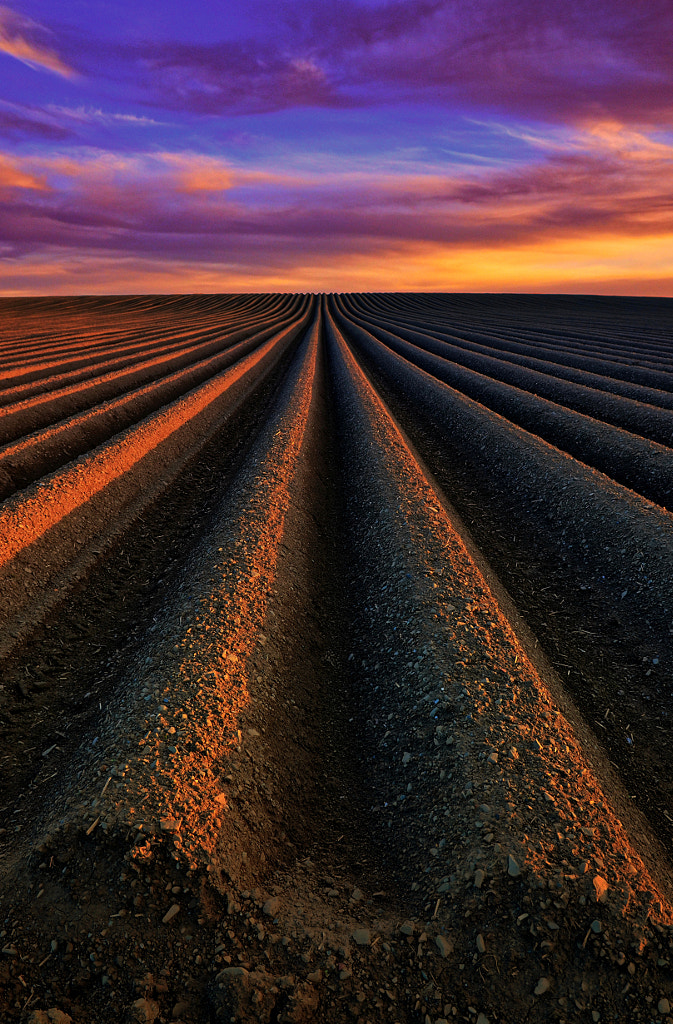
(663, 1006)
(304, 1001)
(482, 1019)
(314, 977)
(170, 914)
(357, 895)
(271, 907)
(596, 927)
(407, 928)
(479, 877)
(493, 757)
(362, 936)
(169, 824)
(513, 868)
(444, 945)
(144, 1011)
(542, 986)
(601, 889)
(481, 945)
(229, 973)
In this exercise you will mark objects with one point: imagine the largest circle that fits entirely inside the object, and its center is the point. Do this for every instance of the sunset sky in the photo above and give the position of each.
(336, 145)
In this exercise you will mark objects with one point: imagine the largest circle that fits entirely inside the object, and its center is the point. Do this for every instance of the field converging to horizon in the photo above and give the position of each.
(336, 644)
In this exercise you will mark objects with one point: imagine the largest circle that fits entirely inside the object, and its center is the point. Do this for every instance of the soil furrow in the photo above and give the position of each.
(635, 462)
(585, 561)
(25, 461)
(17, 418)
(646, 421)
(627, 368)
(52, 529)
(411, 329)
(128, 344)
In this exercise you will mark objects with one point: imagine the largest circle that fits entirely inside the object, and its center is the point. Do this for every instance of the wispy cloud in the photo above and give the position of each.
(21, 121)
(229, 77)
(94, 115)
(22, 38)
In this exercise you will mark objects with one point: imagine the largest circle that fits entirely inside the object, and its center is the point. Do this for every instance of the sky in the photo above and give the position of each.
(336, 145)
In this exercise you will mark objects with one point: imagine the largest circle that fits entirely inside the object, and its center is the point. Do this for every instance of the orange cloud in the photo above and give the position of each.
(14, 41)
(11, 176)
(196, 173)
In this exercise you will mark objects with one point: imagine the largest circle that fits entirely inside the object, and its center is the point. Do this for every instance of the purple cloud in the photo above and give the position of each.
(30, 122)
(570, 61)
(551, 62)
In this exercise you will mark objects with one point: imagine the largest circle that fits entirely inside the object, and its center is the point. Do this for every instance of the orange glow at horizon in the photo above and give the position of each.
(594, 264)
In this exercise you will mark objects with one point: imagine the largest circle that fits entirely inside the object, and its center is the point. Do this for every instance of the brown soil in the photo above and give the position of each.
(287, 751)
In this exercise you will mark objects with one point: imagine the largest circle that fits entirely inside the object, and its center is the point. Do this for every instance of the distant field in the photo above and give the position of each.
(336, 637)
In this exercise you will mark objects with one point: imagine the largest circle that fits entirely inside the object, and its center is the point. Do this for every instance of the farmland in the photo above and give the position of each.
(337, 644)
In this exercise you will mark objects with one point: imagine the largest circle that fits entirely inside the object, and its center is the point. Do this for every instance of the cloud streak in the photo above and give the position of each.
(22, 39)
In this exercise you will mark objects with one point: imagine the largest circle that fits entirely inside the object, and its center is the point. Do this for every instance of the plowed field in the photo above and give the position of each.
(336, 646)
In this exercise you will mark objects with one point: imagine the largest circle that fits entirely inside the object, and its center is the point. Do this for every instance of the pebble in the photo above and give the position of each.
(596, 927)
(481, 945)
(482, 1019)
(144, 1011)
(170, 914)
(52, 1016)
(479, 877)
(513, 868)
(542, 986)
(231, 972)
(444, 945)
(407, 928)
(663, 1006)
(362, 936)
(271, 907)
(601, 888)
(314, 977)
